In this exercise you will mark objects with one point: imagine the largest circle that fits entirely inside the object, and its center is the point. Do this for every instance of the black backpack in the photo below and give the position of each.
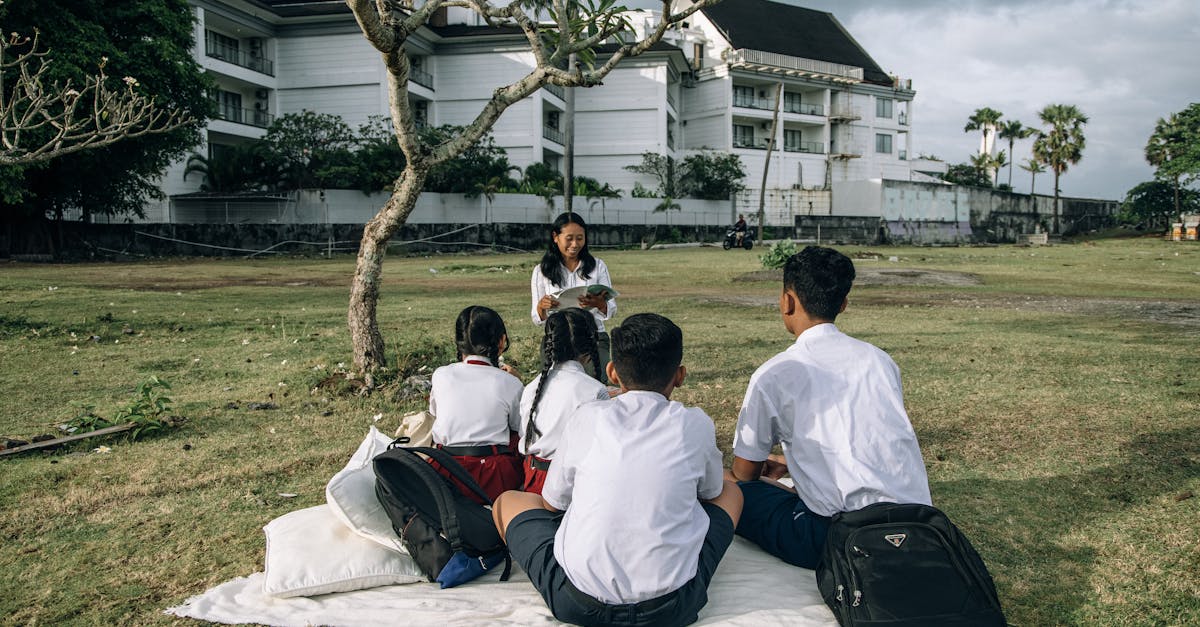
(433, 518)
(904, 565)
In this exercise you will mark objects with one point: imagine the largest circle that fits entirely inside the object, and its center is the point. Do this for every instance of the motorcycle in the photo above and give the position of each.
(731, 237)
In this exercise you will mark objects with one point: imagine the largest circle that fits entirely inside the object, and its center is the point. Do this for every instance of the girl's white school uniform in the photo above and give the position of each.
(540, 286)
(568, 385)
(473, 404)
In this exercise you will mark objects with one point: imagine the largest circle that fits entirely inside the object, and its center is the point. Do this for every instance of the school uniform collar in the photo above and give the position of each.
(571, 365)
(817, 331)
(578, 268)
(648, 395)
(477, 359)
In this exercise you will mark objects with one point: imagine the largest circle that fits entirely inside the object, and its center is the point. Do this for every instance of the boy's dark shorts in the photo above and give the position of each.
(779, 522)
(531, 541)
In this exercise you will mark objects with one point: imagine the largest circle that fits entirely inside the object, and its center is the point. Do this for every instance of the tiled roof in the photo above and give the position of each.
(794, 31)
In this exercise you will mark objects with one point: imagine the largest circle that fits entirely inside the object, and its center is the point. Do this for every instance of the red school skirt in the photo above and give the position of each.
(536, 470)
(495, 473)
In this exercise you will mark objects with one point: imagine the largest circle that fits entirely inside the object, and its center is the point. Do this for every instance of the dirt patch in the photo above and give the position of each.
(884, 277)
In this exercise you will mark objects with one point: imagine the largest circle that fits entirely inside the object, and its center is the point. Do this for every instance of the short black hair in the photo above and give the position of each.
(821, 278)
(646, 351)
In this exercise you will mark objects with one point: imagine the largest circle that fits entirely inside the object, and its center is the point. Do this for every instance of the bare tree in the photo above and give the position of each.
(42, 119)
(553, 29)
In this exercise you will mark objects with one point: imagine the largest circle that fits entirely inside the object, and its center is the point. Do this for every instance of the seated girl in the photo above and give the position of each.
(568, 379)
(476, 404)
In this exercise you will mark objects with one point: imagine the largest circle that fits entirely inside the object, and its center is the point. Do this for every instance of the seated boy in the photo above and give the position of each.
(648, 514)
(835, 405)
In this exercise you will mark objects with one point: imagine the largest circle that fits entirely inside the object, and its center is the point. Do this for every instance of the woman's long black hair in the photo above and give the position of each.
(570, 334)
(552, 261)
(478, 331)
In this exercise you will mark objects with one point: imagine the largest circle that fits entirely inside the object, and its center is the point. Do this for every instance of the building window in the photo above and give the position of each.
(883, 108)
(743, 136)
(743, 96)
(222, 47)
(697, 56)
(883, 143)
(420, 110)
(229, 105)
(791, 140)
(552, 119)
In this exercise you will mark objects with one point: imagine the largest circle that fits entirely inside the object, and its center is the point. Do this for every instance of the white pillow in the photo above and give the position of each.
(310, 552)
(351, 495)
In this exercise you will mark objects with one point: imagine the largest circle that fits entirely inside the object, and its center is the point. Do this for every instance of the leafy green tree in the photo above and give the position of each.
(1153, 204)
(712, 175)
(233, 169)
(1061, 145)
(662, 169)
(1174, 150)
(148, 41)
(310, 151)
(1012, 130)
(967, 174)
(480, 161)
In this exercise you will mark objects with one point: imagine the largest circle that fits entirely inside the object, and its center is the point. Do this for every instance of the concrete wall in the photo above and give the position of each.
(77, 240)
(353, 207)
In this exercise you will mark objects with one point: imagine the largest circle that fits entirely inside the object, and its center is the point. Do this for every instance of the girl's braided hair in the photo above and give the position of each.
(478, 331)
(570, 335)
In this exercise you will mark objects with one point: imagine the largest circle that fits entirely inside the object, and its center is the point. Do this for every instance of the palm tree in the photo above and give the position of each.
(1062, 144)
(998, 162)
(1166, 143)
(1012, 130)
(1034, 168)
(986, 120)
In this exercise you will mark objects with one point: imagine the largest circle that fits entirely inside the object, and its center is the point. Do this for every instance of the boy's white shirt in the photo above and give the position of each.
(568, 385)
(630, 473)
(474, 405)
(540, 286)
(836, 405)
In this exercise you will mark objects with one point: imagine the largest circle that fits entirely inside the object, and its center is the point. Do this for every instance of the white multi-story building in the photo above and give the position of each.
(713, 83)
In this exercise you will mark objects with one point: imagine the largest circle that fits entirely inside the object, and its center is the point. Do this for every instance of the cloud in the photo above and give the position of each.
(1123, 64)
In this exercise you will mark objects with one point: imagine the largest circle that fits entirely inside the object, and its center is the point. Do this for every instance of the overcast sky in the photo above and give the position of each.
(1123, 63)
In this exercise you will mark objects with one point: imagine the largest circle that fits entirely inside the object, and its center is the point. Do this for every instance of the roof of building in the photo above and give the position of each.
(794, 31)
(300, 8)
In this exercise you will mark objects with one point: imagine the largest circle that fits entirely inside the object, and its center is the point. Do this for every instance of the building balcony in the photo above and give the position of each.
(804, 108)
(845, 114)
(798, 67)
(903, 155)
(759, 143)
(902, 119)
(420, 77)
(750, 102)
(553, 135)
(671, 98)
(814, 148)
(557, 90)
(251, 117)
(233, 54)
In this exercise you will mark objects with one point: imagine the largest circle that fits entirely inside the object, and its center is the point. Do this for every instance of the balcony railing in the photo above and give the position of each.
(420, 77)
(799, 65)
(671, 98)
(903, 155)
(750, 102)
(902, 119)
(553, 135)
(815, 148)
(557, 90)
(234, 55)
(252, 117)
(759, 143)
(803, 107)
(670, 140)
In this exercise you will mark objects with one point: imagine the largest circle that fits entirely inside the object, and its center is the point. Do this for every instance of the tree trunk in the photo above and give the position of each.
(1056, 175)
(365, 338)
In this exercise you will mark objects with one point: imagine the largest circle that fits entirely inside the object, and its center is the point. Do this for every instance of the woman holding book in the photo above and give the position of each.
(567, 264)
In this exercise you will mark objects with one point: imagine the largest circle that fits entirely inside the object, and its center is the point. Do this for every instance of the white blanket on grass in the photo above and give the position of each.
(750, 588)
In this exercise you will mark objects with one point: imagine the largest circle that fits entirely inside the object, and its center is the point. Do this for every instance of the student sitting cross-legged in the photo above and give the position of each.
(648, 515)
(835, 405)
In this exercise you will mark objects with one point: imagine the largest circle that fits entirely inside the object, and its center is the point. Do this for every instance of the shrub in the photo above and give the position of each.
(777, 255)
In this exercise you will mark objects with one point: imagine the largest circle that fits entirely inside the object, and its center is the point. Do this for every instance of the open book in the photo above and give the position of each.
(570, 296)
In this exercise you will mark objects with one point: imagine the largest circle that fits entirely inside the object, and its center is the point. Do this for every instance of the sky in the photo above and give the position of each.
(1125, 64)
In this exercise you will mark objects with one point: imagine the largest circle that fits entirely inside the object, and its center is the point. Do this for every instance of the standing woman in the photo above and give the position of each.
(566, 264)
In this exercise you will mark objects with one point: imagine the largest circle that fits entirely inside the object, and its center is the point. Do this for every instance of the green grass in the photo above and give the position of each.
(1057, 404)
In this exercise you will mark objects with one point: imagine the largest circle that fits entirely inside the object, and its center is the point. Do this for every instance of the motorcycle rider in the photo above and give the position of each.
(739, 227)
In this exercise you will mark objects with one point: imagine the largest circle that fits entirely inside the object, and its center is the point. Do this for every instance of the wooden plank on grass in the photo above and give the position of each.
(70, 438)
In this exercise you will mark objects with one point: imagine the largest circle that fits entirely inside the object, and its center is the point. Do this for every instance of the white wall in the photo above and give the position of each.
(857, 198)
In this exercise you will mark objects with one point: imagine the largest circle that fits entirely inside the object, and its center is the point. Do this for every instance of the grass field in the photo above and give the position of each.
(1055, 392)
